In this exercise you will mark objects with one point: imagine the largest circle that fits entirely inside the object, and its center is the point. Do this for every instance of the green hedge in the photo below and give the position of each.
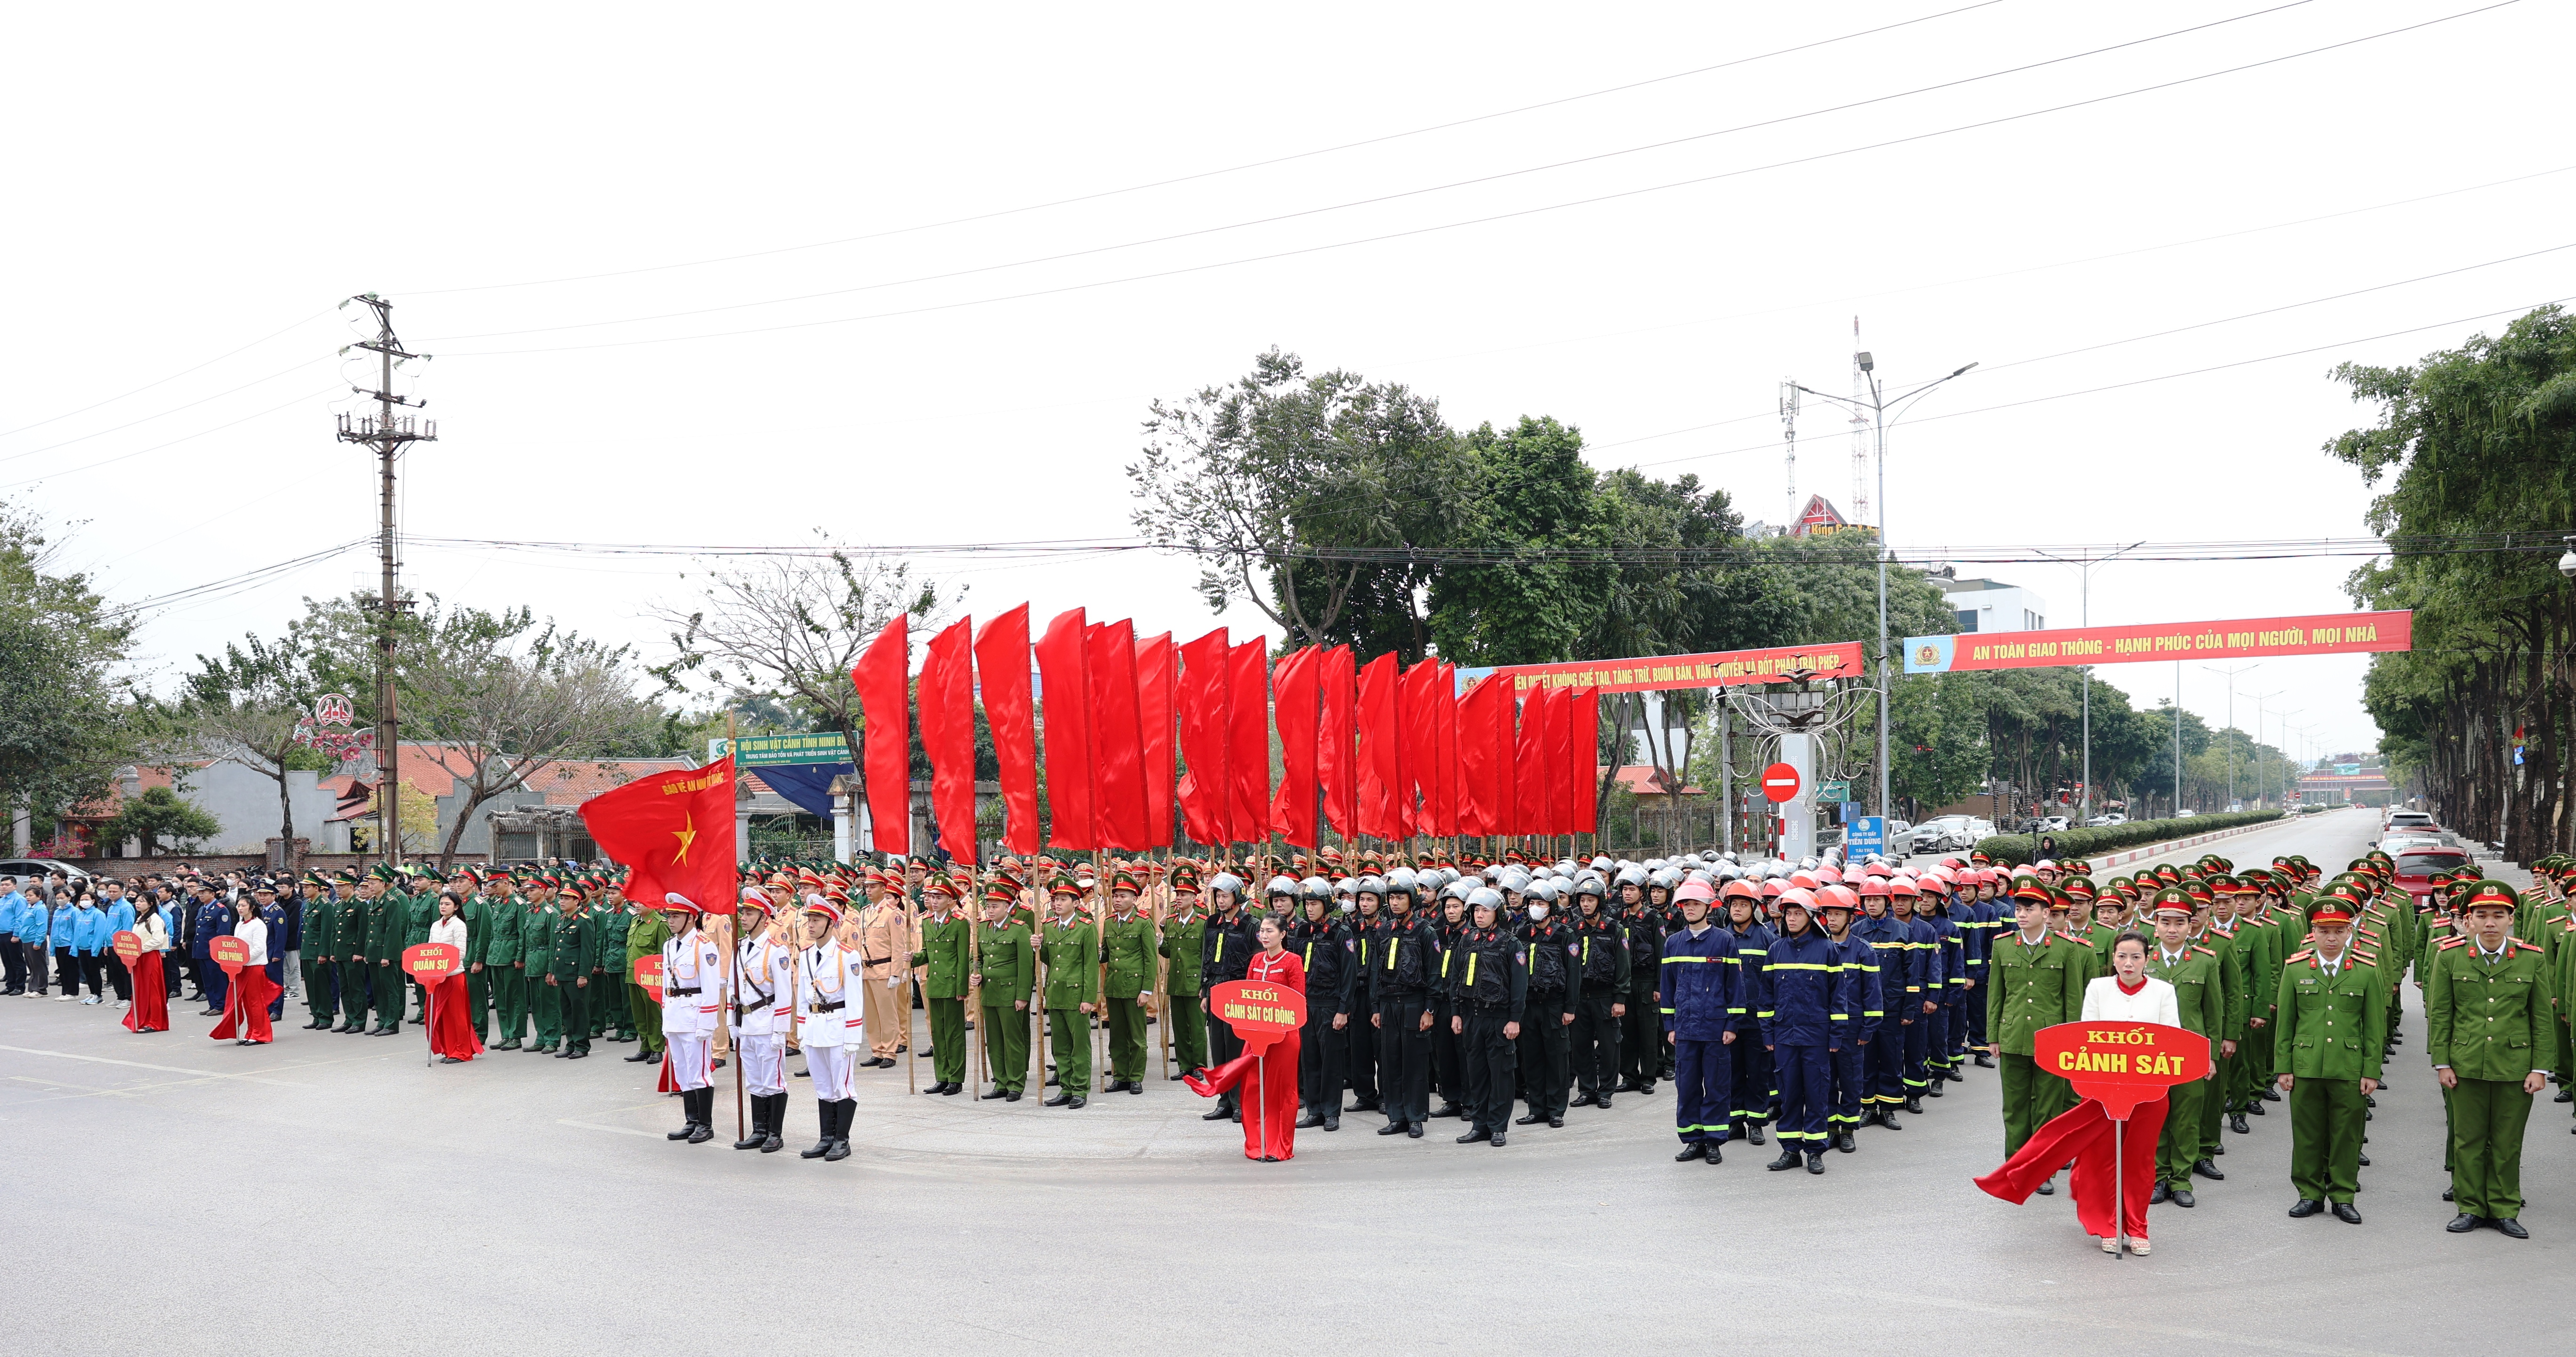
(2016, 849)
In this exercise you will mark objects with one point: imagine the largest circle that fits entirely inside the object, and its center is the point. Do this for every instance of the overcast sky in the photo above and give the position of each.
(730, 275)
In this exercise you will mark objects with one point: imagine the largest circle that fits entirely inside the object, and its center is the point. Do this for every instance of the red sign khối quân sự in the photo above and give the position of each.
(431, 962)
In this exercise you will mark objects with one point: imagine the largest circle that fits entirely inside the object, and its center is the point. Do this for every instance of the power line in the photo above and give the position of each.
(184, 438)
(260, 381)
(1485, 220)
(1372, 201)
(233, 584)
(52, 419)
(1230, 169)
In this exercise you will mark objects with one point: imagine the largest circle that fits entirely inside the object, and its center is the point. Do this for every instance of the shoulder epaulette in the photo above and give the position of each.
(2520, 945)
(2202, 950)
(2447, 944)
(2300, 955)
(2366, 955)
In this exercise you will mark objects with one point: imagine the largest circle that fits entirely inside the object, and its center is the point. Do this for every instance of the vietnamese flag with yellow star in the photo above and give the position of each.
(674, 832)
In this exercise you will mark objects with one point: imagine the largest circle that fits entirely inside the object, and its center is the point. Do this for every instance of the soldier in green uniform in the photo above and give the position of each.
(610, 1014)
(1070, 950)
(537, 949)
(315, 955)
(1005, 975)
(2256, 941)
(2035, 979)
(2489, 1034)
(2326, 1056)
(1127, 947)
(1184, 929)
(646, 931)
(504, 963)
(945, 936)
(349, 909)
(2200, 998)
(388, 919)
(574, 938)
(2231, 1028)
(420, 910)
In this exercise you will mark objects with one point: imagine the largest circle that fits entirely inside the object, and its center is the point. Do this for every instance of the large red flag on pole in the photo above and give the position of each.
(1586, 723)
(673, 832)
(1064, 667)
(1154, 682)
(1292, 811)
(1248, 741)
(1002, 662)
(1560, 761)
(947, 698)
(1445, 699)
(879, 677)
(1529, 767)
(1419, 705)
(1207, 789)
(1484, 756)
(1117, 739)
(1334, 728)
(1381, 810)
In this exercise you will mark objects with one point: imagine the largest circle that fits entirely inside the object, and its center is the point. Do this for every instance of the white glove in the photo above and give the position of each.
(895, 983)
(1144, 994)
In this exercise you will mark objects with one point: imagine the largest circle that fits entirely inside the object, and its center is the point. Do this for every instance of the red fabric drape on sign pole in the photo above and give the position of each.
(1117, 739)
(1335, 724)
(1002, 662)
(1529, 767)
(1248, 736)
(1292, 811)
(879, 677)
(1560, 761)
(1207, 729)
(1064, 667)
(1418, 708)
(1484, 757)
(1586, 724)
(1381, 810)
(1445, 821)
(947, 698)
(1154, 681)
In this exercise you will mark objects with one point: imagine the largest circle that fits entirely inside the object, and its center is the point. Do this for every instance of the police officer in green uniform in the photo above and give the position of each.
(573, 936)
(2200, 1000)
(945, 935)
(645, 933)
(1127, 948)
(349, 910)
(1005, 976)
(1070, 949)
(319, 973)
(2488, 1031)
(504, 963)
(2235, 978)
(2035, 979)
(1184, 933)
(2331, 1006)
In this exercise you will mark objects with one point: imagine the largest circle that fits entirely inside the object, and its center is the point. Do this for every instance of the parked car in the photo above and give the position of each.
(2107, 818)
(27, 867)
(2417, 863)
(2409, 819)
(1900, 839)
(2045, 824)
(2185, 814)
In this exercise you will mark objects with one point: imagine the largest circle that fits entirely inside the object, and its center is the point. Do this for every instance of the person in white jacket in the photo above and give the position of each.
(2129, 994)
(764, 1009)
(831, 1013)
(693, 996)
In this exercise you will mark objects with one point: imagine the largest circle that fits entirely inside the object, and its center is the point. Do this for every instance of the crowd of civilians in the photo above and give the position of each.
(58, 931)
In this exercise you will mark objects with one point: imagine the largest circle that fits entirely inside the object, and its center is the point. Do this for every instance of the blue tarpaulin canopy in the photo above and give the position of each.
(809, 785)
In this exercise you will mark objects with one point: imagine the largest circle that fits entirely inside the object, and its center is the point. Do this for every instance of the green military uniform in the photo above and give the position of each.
(320, 922)
(2235, 980)
(574, 938)
(1006, 973)
(644, 937)
(2028, 987)
(2329, 1040)
(1070, 948)
(2200, 995)
(537, 945)
(2257, 941)
(504, 957)
(610, 1015)
(388, 919)
(357, 973)
(2487, 1020)
(419, 912)
(1127, 946)
(944, 956)
(1183, 935)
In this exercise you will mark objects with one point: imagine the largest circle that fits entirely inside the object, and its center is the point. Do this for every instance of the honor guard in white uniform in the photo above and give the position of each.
(830, 1012)
(693, 996)
(764, 1009)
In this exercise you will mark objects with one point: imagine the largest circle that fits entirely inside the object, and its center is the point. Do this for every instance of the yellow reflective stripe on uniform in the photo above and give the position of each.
(1444, 964)
(1471, 966)
(1671, 959)
(1763, 1013)
(1872, 1013)
(1587, 949)
(1801, 966)
(1842, 1017)
(1393, 946)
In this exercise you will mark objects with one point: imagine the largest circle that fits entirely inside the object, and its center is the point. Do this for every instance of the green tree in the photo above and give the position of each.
(156, 816)
(67, 720)
(248, 707)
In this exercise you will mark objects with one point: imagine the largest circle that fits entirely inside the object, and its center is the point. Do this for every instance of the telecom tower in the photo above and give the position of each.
(1789, 433)
(1860, 434)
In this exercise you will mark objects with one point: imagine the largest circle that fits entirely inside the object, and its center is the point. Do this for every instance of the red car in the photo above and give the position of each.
(2416, 866)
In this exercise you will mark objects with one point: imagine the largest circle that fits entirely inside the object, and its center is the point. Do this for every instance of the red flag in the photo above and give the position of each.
(1248, 736)
(1154, 680)
(673, 832)
(1381, 754)
(1207, 788)
(1064, 667)
(1117, 739)
(1335, 720)
(1485, 757)
(1292, 811)
(1560, 761)
(947, 700)
(1529, 768)
(1445, 822)
(879, 677)
(1419, 703)
(1586, 723)
(1002, 662)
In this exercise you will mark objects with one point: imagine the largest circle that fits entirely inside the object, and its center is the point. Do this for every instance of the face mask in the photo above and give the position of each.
(1537, 913)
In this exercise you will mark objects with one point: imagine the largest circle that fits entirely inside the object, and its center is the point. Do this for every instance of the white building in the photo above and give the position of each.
(1990, 605)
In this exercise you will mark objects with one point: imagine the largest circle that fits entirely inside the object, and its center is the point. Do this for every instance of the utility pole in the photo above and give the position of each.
(388, 435)
(2231, 720)
(2084, 591)
(1789, 435)
(2177, 734)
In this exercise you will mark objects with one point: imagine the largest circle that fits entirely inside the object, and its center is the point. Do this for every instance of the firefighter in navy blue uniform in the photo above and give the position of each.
(1323, 945)
(1703, 983)
(1555, 991)
(1225, 952)
(1750, 1105)
(1803, 1015)
(1923, 990)
(1900, 970)
(1489, 977)
(1368, 927)
(1837, 905)
(1940, 1064)
(1448, 1048)
(1604, 963)
(1400, 992)
(1973, 907)
(1643, 926)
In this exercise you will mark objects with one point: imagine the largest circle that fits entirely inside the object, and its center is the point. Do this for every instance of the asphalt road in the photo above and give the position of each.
(330, 1194)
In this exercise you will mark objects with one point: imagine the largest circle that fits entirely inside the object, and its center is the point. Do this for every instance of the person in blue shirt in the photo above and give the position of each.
(1803, 1015)
(273, 914)
(35, 926)
(59, 940)
(211, 919)
(1751, 1104)
(120, 918)
(13, 957)
(1860, 966)
(1702, 987)
(88, 950)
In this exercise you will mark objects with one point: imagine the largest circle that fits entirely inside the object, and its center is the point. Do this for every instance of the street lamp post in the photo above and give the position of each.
(1879, 420)
(2257, 750)
(2084, 595)
(2231, 720)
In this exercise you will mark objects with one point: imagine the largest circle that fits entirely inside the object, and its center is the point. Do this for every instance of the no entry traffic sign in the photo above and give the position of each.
(1780, 782)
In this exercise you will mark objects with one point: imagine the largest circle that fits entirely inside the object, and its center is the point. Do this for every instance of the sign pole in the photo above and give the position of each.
(2119, 1188)
(903, 996)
